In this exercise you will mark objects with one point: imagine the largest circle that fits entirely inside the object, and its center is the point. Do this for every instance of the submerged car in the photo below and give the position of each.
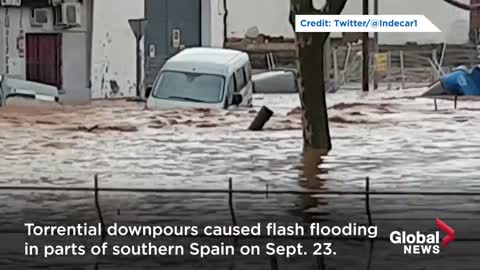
(203, 78)
(281, 81)
(11, 88)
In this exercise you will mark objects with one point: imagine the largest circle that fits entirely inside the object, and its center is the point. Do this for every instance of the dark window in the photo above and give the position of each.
(58, 14)
(245, 76)
(230, 92)
(71, 14)
(231, 86)
(248, 72)
(235, 83)
(240, 80)
(41, 15)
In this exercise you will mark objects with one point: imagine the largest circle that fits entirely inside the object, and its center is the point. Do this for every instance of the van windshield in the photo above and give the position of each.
(187, 86)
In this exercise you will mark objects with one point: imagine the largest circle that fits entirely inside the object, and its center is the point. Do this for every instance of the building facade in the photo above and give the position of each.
(113, 72)
(94, 56)
(210, 22)
(271, 18)
(49, 42)
(172, 25)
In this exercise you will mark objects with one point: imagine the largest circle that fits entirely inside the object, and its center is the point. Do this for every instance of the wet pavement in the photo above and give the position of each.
(397, 140)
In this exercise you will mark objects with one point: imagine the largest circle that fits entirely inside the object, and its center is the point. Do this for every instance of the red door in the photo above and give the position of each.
(44, 58)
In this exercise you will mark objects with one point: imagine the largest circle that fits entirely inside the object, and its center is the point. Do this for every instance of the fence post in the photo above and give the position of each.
(402, 67)
(345, 65)
(389, 75)
(434, 58)
(230, 201)
(335, 66)
(370, 222)
(232, 213)
(273, 262)
(97, 206)
(321, 263)
(442, 56)
(367, 200)
(377, 47)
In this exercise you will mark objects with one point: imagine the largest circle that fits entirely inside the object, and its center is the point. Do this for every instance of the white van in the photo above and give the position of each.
(203, 78)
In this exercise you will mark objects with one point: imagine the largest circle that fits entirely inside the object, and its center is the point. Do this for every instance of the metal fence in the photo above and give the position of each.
(403, 68)
(367, 194)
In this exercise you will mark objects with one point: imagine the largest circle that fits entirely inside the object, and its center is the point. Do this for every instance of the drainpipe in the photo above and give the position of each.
(90, 45)
(1, 91)
(225, 30)
(365, 49)
(375, 37)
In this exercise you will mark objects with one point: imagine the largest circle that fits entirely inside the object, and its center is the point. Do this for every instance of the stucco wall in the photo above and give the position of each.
(16, 22)
(113, 71)
(216, 23)
(271, 18)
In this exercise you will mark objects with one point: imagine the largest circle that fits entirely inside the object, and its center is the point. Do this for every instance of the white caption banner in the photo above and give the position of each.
(364, 23)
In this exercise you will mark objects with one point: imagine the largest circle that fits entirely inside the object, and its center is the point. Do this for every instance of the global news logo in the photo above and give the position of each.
(423, 244)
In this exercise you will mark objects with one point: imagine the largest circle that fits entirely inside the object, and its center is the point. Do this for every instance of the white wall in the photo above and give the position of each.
(18, 25)
(453, 22)
(113, 50)
(271, 18)
(114, 47)
(75, 77)
(216, 23)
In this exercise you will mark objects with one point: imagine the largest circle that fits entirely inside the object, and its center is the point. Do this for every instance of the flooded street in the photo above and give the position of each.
(399, 141)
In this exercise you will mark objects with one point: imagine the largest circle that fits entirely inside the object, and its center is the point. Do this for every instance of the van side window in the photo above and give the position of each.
(248, 72)
(245, 74)
(240, 80)
(231, 85)
(230, 92)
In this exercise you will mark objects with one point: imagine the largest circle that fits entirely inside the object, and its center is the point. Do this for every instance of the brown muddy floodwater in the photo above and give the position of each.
(399, 141)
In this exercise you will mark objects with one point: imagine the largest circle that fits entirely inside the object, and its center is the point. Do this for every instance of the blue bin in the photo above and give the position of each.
(458, 82)
(475, 77)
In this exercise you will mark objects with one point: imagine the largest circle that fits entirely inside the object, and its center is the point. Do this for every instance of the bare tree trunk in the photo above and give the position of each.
(310, 52)
(312, 95)
(462, 5)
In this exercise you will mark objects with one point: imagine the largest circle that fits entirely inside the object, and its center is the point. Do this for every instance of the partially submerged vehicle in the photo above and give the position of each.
(277, 81)
(14, 89)
(203, 78)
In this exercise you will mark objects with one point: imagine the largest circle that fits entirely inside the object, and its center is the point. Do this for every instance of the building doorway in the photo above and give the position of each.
(44, 58)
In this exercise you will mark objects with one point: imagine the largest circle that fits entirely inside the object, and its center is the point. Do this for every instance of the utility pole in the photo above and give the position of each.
(138, 28)
(375, 12)
(365, 67)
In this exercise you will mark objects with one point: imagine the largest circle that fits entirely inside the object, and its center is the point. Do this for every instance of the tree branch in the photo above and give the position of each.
(462, 5)
(335, 7)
